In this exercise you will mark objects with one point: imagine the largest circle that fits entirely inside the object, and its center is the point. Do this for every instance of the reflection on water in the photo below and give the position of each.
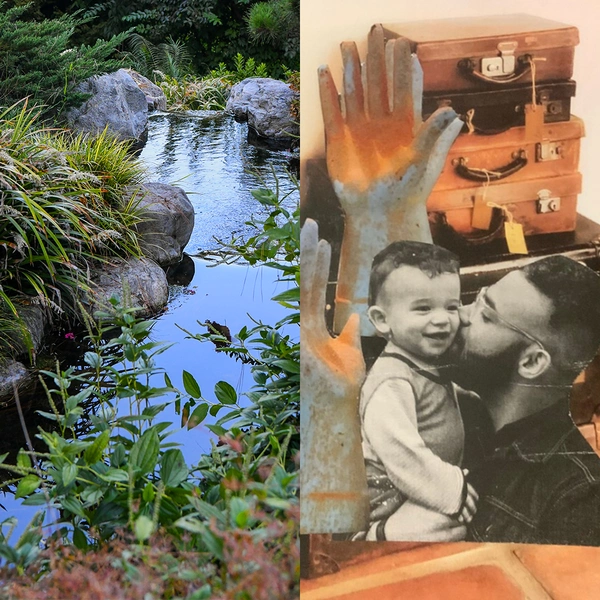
(208, 155)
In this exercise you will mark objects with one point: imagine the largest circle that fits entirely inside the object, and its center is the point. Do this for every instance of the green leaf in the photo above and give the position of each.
(173, 470)
(191, 385)
(217, 430)
(116, 475)
(69, 474)
(91, 495)
(214, 409)
(144, 527)
(197, 416)
(23, 460)
(225, 393)
(93, 453)
(204, 593)
(35, 500)
(79, 539)
(117, 457)
(27, 485)
(93, 359)
(148, 493)
(290, 366)
(73, 505)
(144, 453)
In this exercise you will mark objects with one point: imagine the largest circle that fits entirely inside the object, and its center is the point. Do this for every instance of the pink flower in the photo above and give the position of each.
(69, 336)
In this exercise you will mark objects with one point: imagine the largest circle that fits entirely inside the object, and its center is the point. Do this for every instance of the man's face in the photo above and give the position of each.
(417, 312)
(508, 317)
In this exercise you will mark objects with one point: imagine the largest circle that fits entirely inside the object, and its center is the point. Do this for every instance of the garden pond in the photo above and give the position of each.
(208, 155)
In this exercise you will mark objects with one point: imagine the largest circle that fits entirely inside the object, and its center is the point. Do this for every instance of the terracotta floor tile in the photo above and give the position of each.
(473, 583)
(566, 572)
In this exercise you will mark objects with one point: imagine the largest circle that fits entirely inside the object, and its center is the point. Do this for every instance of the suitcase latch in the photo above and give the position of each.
(546, 151)
(505, 64)
(547, 203)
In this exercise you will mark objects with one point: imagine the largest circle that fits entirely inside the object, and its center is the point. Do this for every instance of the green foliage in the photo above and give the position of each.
(38, 59)
(171, 58)
(192, 93)
(61, 204)
(277, 22)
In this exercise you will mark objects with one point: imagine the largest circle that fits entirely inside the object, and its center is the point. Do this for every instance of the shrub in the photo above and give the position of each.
(38, 61)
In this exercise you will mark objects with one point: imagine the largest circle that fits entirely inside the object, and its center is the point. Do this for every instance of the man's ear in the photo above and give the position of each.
(533, 362)
(379, 319)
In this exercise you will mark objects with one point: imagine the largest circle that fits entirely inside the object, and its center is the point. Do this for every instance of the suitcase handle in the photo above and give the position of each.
(445, 235)
(484, 175)
(468, 68)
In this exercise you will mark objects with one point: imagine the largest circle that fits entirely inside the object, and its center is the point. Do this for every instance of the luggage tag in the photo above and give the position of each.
(513, 231)
(534, 112)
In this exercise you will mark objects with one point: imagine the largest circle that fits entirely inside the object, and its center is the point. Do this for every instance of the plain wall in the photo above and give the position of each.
(326, 23)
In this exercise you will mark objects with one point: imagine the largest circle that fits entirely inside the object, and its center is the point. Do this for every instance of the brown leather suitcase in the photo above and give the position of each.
(489, 52)
(512, 157)
(542, 205)
(493, 111)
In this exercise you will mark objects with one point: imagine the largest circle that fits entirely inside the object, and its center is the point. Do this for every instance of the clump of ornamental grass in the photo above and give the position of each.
(61, 208)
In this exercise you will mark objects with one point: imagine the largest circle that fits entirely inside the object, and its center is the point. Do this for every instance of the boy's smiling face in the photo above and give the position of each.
(416, 312)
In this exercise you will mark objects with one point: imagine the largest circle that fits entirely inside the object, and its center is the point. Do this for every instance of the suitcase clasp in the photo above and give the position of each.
(546, 151)
(546, 203)
(502, 65)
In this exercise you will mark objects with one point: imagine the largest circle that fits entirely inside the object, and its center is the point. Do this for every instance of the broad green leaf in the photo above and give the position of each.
(148, 493)
(217, 430)
(204, 593)
(116, 475)
(93, 453)
(290, 366)
(191, 385)
(144, 527)
(23, 460)
(35, 500)
(117, 457)
(91, 495)
(69, 474)
(27, 485)
(73, 505)
(214, 409)
(197, 416)
(93, 359)
(79, 539)
(225, 393)
(173, 469)
(144, 453)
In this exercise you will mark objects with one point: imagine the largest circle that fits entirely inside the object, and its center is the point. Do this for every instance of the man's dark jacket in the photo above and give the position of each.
(538, 479)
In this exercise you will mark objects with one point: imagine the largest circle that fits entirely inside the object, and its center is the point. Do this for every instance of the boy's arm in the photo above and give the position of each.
(390, 427)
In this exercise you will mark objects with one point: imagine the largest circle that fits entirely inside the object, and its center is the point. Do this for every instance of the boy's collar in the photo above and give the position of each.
(391, 348)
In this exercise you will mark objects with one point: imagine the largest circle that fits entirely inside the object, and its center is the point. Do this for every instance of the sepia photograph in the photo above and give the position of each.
(450, 299)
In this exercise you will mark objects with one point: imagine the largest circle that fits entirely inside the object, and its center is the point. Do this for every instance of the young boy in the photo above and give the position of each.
(412, 430)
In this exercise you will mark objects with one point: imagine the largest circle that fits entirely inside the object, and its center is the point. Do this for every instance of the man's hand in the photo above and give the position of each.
(382, 160)
(332, 475)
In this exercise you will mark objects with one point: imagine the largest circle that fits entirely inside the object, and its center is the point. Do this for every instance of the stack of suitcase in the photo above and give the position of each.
(497, 73)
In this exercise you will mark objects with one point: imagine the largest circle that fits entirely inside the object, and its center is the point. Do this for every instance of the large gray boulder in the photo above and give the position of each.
(155, 97)
(135, 281)
(12, 374)
(265, 104)
(168, 221)
(117, 102)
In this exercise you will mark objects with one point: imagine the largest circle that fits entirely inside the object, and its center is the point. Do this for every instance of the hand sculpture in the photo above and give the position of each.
(333, 487)
(382, 160)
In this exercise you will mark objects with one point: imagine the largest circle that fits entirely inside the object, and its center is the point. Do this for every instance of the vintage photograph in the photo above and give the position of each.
(450, 291)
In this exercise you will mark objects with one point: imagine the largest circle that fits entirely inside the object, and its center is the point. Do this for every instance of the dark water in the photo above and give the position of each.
(208, 155)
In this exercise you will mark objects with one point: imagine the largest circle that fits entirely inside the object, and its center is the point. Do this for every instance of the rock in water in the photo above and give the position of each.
(136, 282)
(168, 222)
(155, 97)
(265, 103)
(116, 102)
